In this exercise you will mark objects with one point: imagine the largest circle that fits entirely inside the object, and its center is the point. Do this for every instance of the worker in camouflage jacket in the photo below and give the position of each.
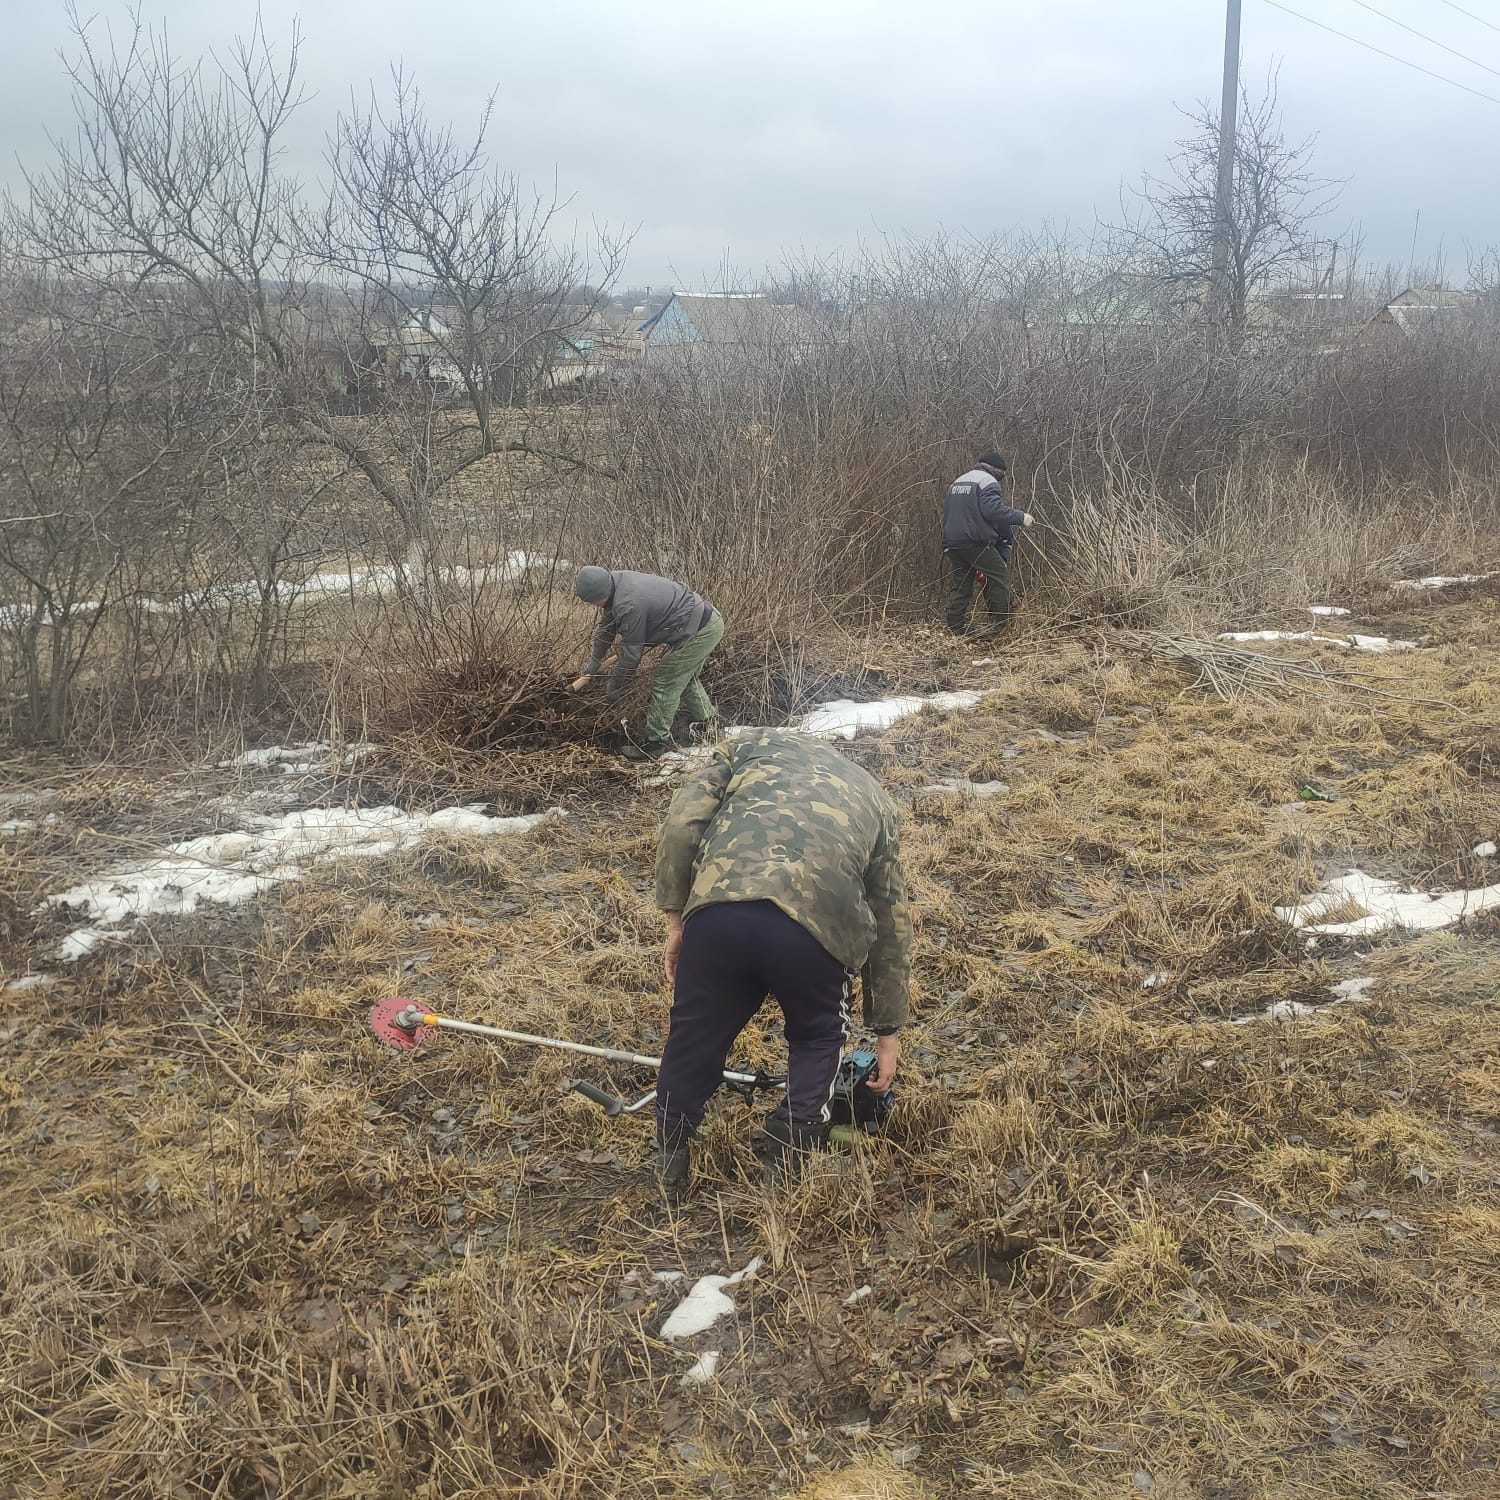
(642, 610)
(979, 530)
(779, 871)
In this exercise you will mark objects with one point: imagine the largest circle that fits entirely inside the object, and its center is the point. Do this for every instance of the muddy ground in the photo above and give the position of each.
(1161, 1212)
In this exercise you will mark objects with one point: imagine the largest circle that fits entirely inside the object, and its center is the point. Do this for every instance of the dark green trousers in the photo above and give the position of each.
(965, 565)
(675, 681)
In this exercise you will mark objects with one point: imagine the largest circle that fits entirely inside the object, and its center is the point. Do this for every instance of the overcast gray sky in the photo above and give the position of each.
(740, 128)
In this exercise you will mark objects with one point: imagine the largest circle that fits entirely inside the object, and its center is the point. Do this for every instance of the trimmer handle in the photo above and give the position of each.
(609, 1103)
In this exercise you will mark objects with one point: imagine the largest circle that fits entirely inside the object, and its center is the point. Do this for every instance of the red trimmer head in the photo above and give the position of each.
(400, 1023)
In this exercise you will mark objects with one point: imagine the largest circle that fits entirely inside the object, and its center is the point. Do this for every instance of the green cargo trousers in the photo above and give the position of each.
(676, 681)
(964, 566)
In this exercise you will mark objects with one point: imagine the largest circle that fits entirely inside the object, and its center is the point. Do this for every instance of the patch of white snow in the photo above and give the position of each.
(1437, 581)
(678, 762)
(85, 940)
(1352, 991)
(268, 755)
(30, 982)
(1326, 609)
(1241, 636)
(229, 868)
(1279, 1010)
(966, 788)
(705, 1304)
(1386, 904)
(294, 760)
(22, 797)
(1486, 850)
(18, 615)
(1356, 642)
(1380, 643)
(702, 1371)
(843, 718)
(353, 581)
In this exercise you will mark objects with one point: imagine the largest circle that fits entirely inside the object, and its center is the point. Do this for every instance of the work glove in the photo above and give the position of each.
(1026, 519)
(590, 672)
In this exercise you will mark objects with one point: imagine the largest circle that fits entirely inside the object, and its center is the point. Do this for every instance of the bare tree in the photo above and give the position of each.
(105, 441)
(458, 271)
(1277, 201)
(430, 281)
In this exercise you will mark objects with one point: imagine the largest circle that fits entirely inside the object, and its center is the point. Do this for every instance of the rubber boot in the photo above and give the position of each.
(787, 1145)
(674, 1159)
(645, 750)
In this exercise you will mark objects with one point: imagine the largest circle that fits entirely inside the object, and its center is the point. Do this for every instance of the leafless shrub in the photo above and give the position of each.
(315, 379)
(305, 444)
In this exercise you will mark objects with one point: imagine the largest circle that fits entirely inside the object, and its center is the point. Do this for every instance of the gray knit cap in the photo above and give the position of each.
(593, 584)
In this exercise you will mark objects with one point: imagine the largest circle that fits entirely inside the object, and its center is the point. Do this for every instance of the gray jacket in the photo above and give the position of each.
(975, 513)
(643, 610)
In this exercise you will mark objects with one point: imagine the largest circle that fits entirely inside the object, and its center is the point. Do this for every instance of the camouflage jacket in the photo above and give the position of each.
(781, 817)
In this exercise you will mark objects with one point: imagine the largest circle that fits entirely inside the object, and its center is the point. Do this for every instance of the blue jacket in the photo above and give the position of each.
(975, 514)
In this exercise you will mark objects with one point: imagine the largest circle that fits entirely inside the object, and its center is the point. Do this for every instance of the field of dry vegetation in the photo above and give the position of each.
(1128, 1234)
(1178, 1200)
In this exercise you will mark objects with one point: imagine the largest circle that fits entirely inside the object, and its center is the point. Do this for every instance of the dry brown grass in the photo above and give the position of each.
(1117, 1245)
(873, 1479)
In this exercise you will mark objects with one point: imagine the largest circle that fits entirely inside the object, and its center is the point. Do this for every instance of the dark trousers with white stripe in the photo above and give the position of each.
(733, 955)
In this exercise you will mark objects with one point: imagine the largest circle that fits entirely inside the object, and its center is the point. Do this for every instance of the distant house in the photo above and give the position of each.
(1301, 305)
(616, 335)
(422, 347)
(1123, 299)
(618, 326)
(1128, 309)
(573, 359)
(601, 343)
(1423, 311)
(1122, 315)
(730, 321)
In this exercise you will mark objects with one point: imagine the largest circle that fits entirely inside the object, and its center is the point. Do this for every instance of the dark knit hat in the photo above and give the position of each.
(993, 461)
(593, 585)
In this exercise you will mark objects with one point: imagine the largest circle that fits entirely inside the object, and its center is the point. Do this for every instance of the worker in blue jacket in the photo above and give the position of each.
(979, 529)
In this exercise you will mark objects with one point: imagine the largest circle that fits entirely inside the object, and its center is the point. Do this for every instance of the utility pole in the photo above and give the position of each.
(1224, 201)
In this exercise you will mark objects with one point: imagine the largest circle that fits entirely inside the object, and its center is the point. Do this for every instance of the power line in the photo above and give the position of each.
(1371, 47)
(1464, 56)
(1470, 14)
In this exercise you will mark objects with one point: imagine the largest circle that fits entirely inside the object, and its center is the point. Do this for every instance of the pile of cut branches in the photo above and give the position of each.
(495, 705)
(1231, 671)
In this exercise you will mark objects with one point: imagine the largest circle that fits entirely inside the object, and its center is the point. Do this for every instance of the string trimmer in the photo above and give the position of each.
(404, 1024)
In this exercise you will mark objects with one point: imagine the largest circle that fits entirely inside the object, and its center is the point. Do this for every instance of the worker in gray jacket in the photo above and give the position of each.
(979, 529)
(642, 610)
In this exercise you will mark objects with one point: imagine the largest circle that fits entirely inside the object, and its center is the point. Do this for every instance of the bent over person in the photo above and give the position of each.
(642, 610)
(979, 529)
(779, 870)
